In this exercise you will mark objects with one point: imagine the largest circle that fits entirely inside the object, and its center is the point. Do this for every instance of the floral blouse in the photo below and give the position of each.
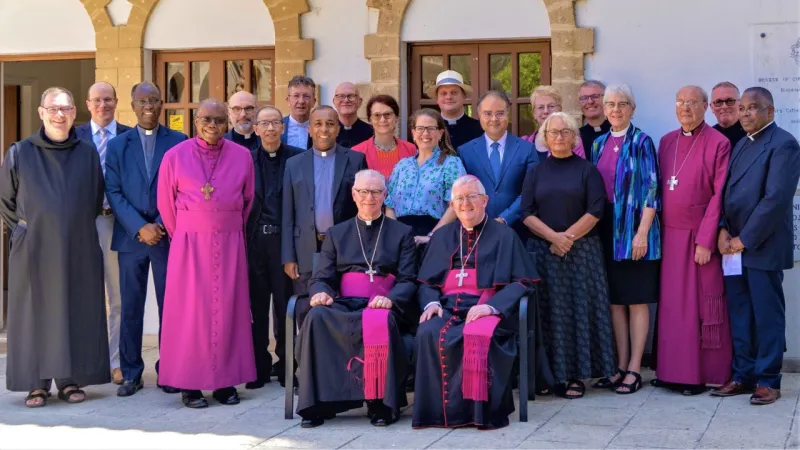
(416, 190)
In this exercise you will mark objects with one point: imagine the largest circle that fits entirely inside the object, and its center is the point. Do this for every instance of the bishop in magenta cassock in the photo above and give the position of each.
(351, 345)
(694, 340)
(474, 273)
(205, 192)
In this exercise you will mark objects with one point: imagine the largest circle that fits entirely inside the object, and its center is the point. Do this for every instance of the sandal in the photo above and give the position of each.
(631, 387)
(38, 393)
(574, 385)
(606, 383)
(67, 395)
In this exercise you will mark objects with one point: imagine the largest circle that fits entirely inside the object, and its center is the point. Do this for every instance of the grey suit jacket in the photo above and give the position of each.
(298, 229)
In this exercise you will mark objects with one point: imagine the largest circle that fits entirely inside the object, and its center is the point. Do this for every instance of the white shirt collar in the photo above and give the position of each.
(294, 122)
(501, 141)
(620, 133)
(752, 136)
(453, 121)
(110, 128)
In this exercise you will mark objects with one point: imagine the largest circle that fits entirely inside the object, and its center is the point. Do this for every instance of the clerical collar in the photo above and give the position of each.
(453, 121)
(606, 125)
(246, 136)
(369, 222)
(621, 132)
(271, 154)
(348, 127)
(689, 133)
(324, 154)
(753, 136)
(147, 132)
(478, 226)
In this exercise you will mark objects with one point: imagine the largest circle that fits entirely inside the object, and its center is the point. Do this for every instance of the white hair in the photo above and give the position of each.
(703, 93)
(620, 89)
(369, 173)
(464, 180)
(569, 121)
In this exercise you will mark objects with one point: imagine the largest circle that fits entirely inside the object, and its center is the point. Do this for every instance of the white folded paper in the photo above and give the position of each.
(732, 264)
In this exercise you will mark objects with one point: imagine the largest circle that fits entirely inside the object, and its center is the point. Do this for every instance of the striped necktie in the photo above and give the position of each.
(101, 149)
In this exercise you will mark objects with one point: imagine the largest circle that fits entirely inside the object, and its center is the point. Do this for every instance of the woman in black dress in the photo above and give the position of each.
(563, 199)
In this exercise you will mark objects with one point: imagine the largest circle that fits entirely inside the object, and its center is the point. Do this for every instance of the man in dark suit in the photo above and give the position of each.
(316, 195)
(267, 277)
(301, 99)
(757, 224)
(131, 180)
(499, 159)
(102, 104)
(241, 114)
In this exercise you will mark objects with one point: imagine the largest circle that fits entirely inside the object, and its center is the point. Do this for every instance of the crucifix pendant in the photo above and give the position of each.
(207, 189)
(371, 272)
(616, 148)
(461, 275)
(673, 181)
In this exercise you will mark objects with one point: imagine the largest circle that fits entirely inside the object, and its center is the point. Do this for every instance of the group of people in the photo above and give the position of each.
(233, 223)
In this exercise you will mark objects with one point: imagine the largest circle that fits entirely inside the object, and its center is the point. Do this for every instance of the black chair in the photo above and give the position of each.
(528, 320)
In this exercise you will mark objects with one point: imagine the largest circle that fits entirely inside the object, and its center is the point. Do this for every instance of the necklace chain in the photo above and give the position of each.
(677, 143)
(213, 165)
(384, 148)
(461, 246)
(377, 241)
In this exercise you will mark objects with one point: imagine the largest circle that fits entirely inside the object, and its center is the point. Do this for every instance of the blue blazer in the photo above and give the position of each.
(505, 194)
(130, 192)
(285, 134)
(759, 193)
(84, 131)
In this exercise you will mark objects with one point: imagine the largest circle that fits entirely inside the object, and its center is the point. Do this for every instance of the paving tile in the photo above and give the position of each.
(401, 436)
(747, 431)
(740, 404)
(320, 437)
(594, 435)
(31, 417)
(531, 443)
(575, 413)
(657, 438)
(674, 419)
(470, 437)
(608, 399)
(668, 400)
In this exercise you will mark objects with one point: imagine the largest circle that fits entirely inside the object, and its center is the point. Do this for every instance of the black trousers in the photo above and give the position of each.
(267, 278)
(61, 383)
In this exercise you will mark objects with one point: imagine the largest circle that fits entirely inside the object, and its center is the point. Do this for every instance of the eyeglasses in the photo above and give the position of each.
(214, 120)
(565, 133)
(752, 109)
(247, 109)
(378, 116)
(469, 198)
(100, 101)
(620, 105)
(297, 97)
(53, 110)
(689, 104)
(374, 193)
(498, 114)
(541, 108)
(422, 130)
(725, 101)
(267, 123)
(147, 101)
(586, 98)
(342, 97)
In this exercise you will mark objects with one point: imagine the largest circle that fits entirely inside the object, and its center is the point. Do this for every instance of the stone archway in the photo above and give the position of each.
(569, 44)
(120, 48)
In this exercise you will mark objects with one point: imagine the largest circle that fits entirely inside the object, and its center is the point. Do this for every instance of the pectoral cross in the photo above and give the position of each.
(672, 183)
(207, 189)
(371, 272)
(461, 275)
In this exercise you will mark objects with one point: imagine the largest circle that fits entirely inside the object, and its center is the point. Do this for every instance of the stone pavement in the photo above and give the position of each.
(651, 418)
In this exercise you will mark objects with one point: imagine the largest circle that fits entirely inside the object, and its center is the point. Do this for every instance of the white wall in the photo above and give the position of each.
(433, 20)
(44, 26)
(190, 24)
(338, 28)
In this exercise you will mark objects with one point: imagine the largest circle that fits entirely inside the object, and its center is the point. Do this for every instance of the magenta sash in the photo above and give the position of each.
(477, 337)
(374, 328)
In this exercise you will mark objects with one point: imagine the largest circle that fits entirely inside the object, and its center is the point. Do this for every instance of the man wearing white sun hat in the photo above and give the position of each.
(450, 92)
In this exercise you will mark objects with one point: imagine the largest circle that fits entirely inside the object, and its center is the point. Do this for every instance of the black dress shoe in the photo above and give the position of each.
(277, 370)
(311, 423)
(255, 384)
(194, 399)
(169, 389)
(384, 420)
(226, 396)
(129, 387)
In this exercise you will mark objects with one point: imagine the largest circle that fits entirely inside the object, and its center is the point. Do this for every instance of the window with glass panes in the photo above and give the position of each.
(513, 67)
(187, 78)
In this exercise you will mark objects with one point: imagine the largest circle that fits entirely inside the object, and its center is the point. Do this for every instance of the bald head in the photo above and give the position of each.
(101, 101)
(347, 100)
(242, 112)
(211, 122)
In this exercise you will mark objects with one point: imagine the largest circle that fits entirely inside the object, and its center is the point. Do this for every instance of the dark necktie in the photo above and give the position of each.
(494, 160)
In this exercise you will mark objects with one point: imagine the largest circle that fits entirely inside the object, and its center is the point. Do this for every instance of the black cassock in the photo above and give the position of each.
(330, 346)
(502, 264)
